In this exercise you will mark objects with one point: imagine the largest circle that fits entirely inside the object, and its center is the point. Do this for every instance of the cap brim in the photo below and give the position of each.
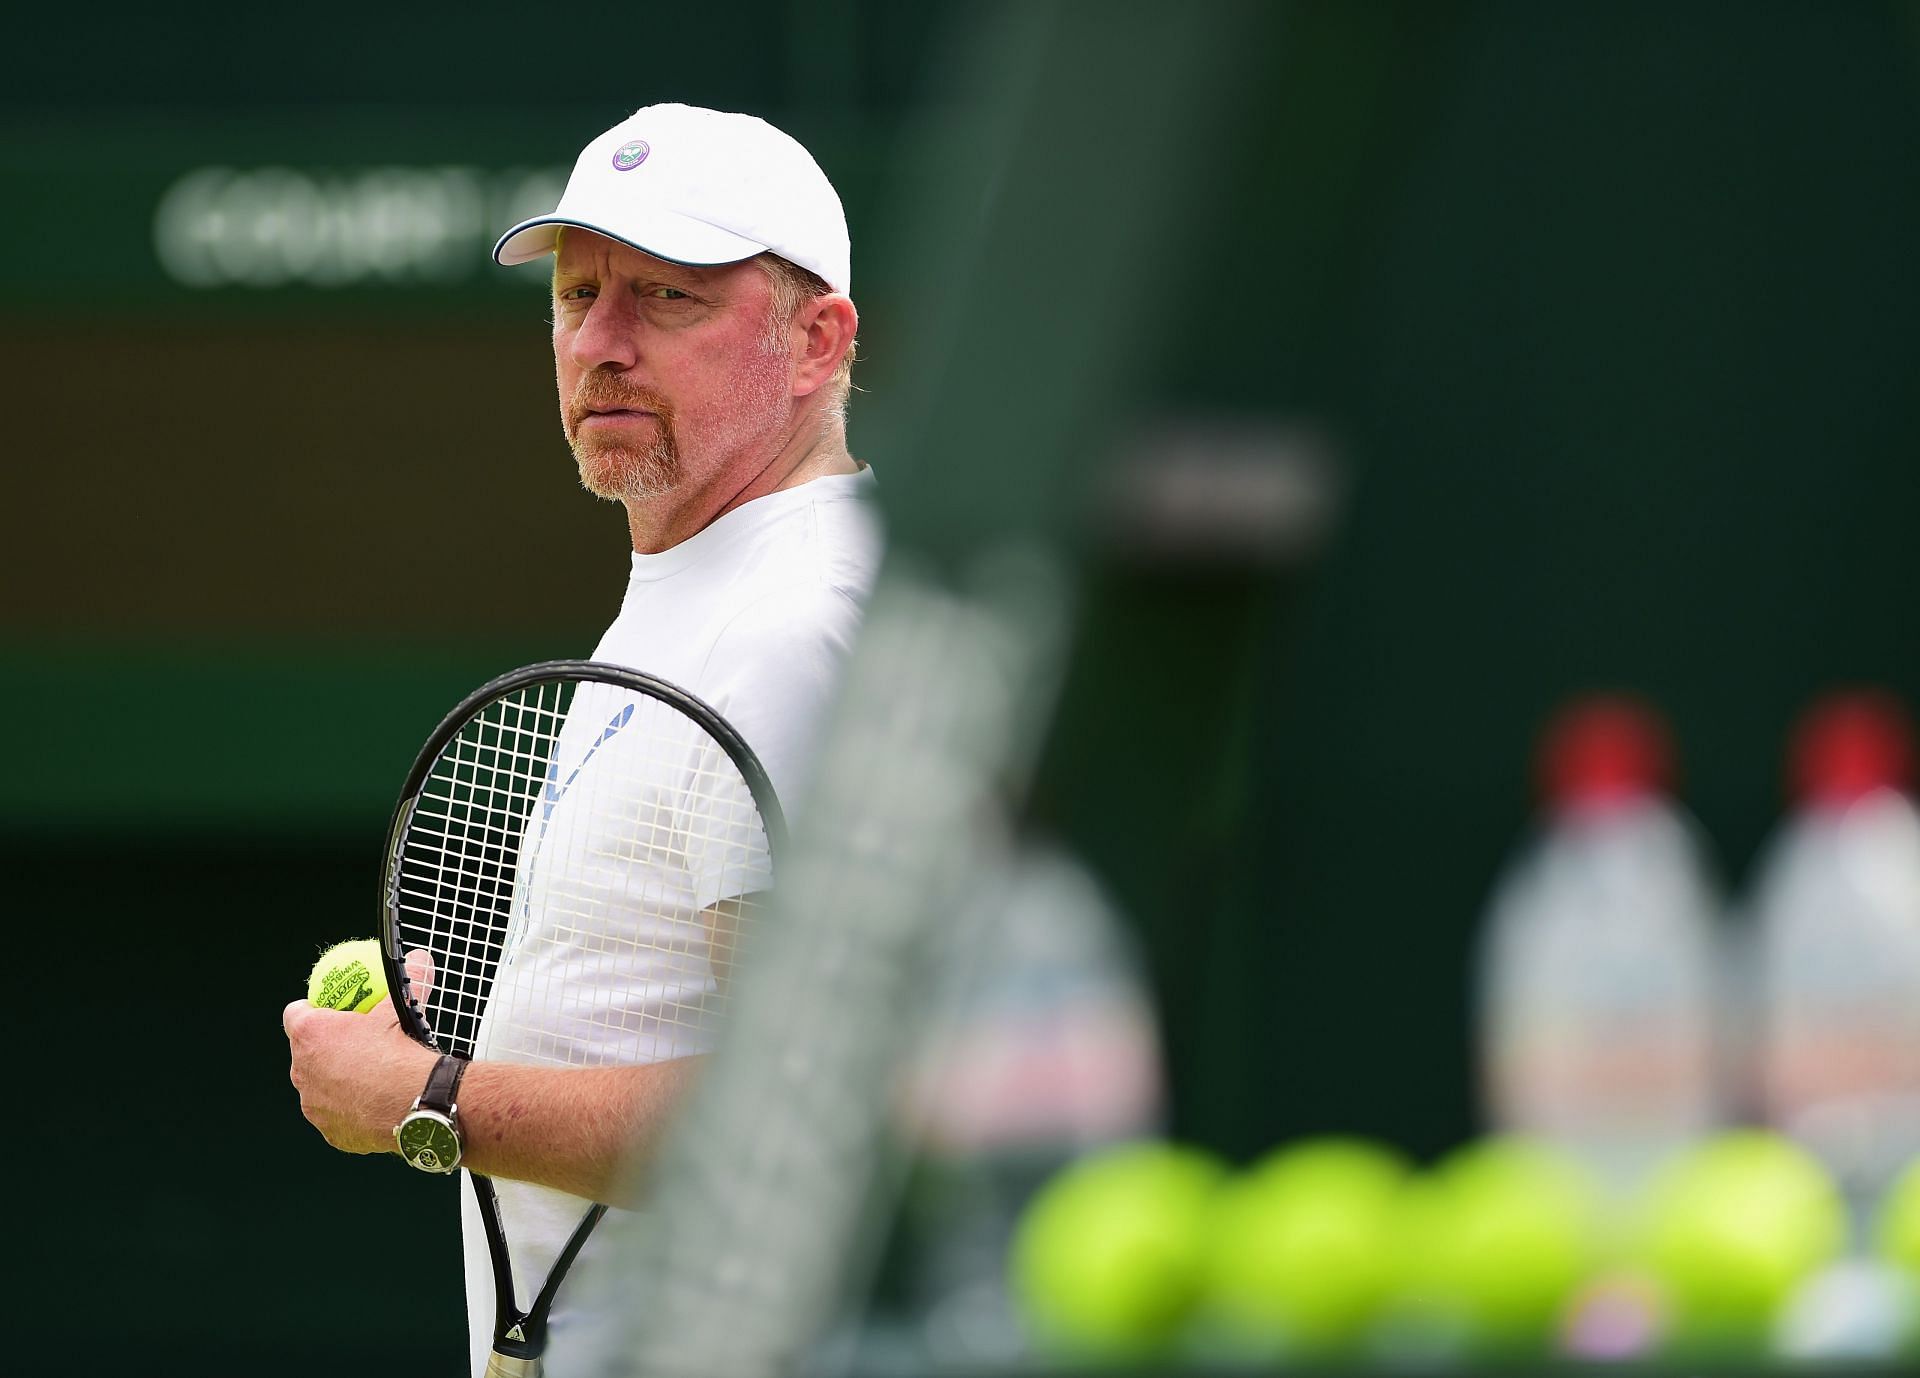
(664, 234)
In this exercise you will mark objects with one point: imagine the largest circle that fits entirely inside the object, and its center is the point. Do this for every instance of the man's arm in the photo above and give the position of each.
(569, 1128)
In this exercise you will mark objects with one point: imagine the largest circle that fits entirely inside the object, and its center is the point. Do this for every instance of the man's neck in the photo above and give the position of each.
(801, 460)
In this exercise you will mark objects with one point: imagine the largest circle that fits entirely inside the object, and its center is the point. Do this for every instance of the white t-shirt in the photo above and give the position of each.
(755, 615)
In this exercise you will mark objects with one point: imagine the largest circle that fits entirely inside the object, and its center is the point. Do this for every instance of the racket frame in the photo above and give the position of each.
(520, 1336)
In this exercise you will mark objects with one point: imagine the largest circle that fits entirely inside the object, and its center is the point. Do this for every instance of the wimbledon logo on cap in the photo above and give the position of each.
(629, 156)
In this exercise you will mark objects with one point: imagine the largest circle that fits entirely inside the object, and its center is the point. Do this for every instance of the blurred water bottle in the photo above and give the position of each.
(1835, 910)
(1045, 1047)
(1599, 988)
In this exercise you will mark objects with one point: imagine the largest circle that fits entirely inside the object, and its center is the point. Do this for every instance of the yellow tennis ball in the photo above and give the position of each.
(1498, 1237)
(1732, 1227)
(1304, 1245)
(1898, 1232)
(349, 976)
(1107, 1259)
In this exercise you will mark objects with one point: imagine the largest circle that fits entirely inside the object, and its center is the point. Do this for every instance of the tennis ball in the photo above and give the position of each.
(349, 976)
(1304, 1245)
(1898, 1231)
(1497, 1239)
(1107, 1259)
(1731, 1228)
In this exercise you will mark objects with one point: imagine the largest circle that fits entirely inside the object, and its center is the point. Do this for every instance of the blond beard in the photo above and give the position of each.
(610, 469)
(628, 473)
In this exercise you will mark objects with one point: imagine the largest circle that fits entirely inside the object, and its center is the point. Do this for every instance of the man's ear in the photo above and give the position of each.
(823, 331)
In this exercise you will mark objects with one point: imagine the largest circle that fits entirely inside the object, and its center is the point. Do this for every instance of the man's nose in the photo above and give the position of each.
(606, 338)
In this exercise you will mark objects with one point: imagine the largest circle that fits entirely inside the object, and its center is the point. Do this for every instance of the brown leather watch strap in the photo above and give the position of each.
(443, 1084)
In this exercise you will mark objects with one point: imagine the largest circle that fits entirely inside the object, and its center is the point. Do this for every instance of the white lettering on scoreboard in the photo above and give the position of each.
(280, 227)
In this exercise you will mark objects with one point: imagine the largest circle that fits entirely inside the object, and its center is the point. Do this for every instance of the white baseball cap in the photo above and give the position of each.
(701, 187)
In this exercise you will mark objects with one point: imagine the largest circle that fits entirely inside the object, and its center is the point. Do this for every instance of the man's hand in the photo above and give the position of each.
(568, 1128)
(357, 1074)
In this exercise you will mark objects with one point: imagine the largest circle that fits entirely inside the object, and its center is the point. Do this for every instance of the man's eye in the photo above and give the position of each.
(669, 294)
(575, 294)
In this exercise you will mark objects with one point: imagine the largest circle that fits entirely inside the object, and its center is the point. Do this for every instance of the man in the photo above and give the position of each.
(702, 339)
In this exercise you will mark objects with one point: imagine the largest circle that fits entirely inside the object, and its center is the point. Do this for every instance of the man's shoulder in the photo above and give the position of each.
(802, 619)
(824, 533)
(796, 604)
(773, 670)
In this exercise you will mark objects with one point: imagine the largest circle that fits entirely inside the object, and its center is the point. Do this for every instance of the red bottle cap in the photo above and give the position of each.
(1605, 749)
(1848, 745)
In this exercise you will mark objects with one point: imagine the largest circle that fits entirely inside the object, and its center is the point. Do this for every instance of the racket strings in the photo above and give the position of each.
(457, 867)
(580, 868)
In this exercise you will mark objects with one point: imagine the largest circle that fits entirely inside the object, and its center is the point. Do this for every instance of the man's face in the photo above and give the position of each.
(670, 377)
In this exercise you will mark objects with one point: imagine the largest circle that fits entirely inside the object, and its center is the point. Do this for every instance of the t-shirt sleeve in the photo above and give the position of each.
(773, 673)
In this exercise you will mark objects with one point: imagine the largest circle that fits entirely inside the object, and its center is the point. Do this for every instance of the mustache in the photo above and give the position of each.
(607, 392)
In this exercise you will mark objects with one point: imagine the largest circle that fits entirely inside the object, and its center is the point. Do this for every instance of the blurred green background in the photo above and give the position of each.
(1610, 312)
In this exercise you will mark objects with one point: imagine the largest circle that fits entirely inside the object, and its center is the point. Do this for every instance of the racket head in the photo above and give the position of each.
(573, 861)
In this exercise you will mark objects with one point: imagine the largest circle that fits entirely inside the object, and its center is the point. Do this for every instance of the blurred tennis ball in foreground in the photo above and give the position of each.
(1304, 1243)
(1107, 1258)
(348, 976)
(1898, 1231)
(1498, 1237)
(1731, 1228)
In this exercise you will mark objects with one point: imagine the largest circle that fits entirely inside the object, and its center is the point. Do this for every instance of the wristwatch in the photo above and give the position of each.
(429, 1134)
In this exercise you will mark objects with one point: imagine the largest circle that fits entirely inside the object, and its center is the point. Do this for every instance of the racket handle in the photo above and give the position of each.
(504, 1366)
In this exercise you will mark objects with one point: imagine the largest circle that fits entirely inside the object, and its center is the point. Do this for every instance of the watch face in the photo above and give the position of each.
(429, 1142)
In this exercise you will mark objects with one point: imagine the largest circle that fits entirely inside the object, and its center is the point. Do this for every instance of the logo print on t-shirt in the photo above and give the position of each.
(550, 796)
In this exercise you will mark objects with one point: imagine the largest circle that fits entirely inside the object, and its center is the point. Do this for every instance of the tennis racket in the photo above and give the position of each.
(576, 857)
